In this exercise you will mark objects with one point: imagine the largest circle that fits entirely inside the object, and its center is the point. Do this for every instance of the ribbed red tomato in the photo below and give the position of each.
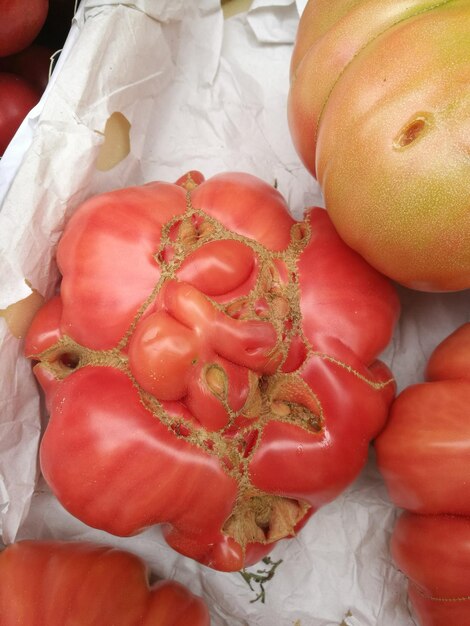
(58, 583)
(209, 364)
(423, 454)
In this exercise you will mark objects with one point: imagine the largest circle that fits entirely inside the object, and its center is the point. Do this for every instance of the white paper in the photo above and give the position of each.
(200, 93)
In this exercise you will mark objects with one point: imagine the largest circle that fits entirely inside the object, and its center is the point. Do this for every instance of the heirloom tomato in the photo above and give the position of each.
(209, 364)
(58, 583)
(423, 454)
(379, 111)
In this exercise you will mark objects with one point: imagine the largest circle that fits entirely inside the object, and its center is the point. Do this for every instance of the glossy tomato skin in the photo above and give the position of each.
(423, 455)
(67, 583)
(420, 477)
(433, 551)
(378, 112)
(220, 397)
(17, 98)
(20, 24)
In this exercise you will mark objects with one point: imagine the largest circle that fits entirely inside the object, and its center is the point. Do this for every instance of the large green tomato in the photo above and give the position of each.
(379, 110)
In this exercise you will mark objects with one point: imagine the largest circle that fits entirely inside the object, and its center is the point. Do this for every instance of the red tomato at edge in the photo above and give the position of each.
(423, 454)
(20, 24)
(433, 551)
(60, 583)
(17, 98)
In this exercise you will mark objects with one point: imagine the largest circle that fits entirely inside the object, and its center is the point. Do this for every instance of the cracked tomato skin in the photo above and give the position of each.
(210, 365)
(423, 454)
(62, 583)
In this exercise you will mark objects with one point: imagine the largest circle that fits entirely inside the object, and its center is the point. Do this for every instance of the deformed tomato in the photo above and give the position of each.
(210, 364)
(62, 583)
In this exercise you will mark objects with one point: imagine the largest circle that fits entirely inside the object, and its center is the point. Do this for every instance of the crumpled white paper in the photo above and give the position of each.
(208, 94)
